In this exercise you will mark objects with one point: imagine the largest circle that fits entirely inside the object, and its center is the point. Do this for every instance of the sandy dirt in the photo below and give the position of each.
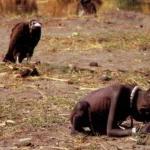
(24, 97)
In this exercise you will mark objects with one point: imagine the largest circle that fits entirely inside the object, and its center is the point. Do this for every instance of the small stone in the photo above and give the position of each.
(25, 139)
(141, 26)
(11, 67)
(70, 82)
(105, 78)
(10, 122)
(26, 142)
(93, 64)
(75, 33)
(3, 74)
(2, 124)
(37, 62)
(17, 75)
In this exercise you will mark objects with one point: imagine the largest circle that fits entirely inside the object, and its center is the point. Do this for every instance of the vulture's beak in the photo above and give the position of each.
(37, 24)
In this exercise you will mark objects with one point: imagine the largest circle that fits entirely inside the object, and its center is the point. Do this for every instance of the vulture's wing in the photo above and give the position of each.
(16, 37)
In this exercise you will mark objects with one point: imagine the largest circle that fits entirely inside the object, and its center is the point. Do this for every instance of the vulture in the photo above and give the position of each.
(23, 39)
(86, 7)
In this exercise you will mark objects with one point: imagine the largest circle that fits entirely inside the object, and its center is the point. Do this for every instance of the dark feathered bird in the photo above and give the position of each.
(23, 39)
(86, 7)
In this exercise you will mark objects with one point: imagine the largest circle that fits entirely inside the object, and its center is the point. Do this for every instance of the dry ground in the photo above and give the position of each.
(34, 111)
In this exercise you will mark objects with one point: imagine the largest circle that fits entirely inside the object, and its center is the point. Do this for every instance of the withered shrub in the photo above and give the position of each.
(18, 6)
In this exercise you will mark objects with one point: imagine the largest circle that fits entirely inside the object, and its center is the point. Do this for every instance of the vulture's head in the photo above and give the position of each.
(33, 25)
(143, 106)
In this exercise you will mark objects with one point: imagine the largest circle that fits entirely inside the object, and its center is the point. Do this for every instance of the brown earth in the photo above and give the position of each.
(34, 111)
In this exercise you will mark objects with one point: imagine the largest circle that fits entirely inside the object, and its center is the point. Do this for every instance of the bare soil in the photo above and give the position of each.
(34, 111)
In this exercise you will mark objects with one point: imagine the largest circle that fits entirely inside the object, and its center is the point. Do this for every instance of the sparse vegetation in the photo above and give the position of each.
(39, 107)
(129, 4)
(18, 6)
(137, 5)
(56, 8)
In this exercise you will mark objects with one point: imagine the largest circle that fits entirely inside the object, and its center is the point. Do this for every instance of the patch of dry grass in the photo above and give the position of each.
(110, 41)
(55, 8)
(51, 112)
(67, 8)
(18, 7)
(34, 106)
(136, 5)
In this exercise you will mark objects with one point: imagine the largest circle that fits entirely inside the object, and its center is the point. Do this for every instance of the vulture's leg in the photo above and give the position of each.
(17, 59)
(28, 58)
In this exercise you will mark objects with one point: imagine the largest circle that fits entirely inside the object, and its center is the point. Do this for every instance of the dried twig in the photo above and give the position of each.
(87, 88)
(5, 85)
(56, 79)
(64, 114)
(53, 147)
(103, 146)
(132, 139)
(62, 133)
(115, 145)
(37, 90)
